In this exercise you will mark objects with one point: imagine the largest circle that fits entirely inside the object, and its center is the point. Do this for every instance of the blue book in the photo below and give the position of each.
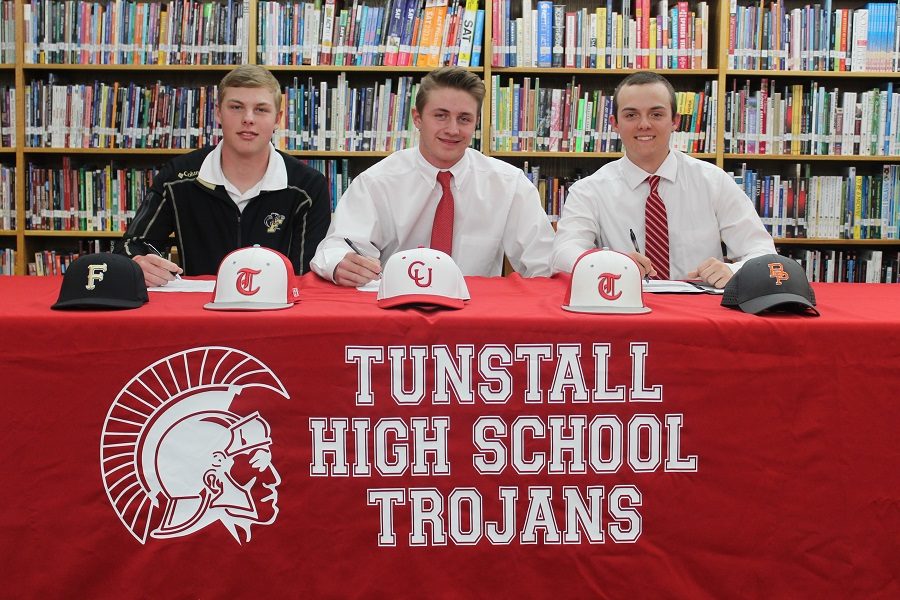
(477, 39)
(545, 33)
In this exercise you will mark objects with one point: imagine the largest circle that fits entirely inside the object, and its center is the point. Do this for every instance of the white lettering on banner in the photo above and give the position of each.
(453, 371)
(459, 516)
(512, 446)
(569, 437)
(391, 446)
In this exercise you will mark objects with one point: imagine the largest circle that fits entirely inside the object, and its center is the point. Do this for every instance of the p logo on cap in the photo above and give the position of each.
(605, 281)
(102, 281)
(254, 278)
(422, 276)
(768, 282)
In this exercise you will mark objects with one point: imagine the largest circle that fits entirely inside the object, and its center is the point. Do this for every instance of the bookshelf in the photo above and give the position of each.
(710, 67)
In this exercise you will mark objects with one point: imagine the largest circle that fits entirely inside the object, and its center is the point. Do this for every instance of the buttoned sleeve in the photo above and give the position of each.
(528, 237)
(576, 231)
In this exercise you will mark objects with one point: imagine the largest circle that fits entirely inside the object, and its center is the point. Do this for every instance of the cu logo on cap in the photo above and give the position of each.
(415, 273)
(776, 271)
(606, 285)
(244, 282)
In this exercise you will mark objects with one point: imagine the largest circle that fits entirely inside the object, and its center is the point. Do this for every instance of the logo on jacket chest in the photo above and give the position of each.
(273, 222)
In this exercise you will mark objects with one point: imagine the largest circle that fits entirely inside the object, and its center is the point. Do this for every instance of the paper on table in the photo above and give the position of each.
(656, 286)
(372, 286)
(186, 285)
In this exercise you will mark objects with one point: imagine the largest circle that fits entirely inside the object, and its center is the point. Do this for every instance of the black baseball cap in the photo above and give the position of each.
(102, 281)
(769, 282)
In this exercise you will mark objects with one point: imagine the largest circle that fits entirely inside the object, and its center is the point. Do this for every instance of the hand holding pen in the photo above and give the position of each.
(642, 261)
(356, 268)
(157, 270)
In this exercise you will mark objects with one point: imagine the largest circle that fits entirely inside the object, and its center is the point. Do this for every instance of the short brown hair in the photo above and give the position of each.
(251, 76)
(456, 78)
(645, 78)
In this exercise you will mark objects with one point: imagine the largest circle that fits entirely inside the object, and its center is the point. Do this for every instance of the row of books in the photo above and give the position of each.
(552, 190)
(851, 206)
(385, 32)
(84, 198)
(528, 117)
(600, 37)
(337, 175)
(323, 116)
(119, 115)
(7, 31)
(848, 266)
(55, 262)
(7, 197)
(179, 32)
(7, 116)
(810, 119)
(814, 37)
(317, 116)
(105, 198)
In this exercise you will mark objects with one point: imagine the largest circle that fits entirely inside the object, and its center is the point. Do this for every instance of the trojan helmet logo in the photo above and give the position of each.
(415, 273)
(244, 281)
(175, 457)
(776, 271)
(273, 222)
(606, 285)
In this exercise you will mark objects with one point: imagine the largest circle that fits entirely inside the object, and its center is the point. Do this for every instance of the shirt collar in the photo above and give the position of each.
(275, 177)
(635, 176)
(429, 172)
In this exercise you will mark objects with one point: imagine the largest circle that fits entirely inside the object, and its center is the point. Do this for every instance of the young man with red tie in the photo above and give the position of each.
(441, 194)
(681, 208)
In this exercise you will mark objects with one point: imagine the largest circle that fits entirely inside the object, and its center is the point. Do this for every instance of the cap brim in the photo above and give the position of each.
(612, 310)
(245, 306)
(421, 299)
(757, 305)
(98, 304)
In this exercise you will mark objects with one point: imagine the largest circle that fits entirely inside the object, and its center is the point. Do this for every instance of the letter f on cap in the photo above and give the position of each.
(95, 274)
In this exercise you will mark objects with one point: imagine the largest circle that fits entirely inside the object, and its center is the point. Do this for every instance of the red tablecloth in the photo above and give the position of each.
(508, 449)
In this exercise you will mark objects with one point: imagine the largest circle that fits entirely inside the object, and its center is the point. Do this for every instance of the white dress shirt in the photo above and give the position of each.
(275, 177)
(390, 207)
(704, 206)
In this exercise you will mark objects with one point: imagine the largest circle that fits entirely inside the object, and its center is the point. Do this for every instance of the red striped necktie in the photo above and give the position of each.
(657, 226)
(442, 228)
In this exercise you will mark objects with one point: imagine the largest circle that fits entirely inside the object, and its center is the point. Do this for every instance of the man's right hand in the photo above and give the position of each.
(355, 270)
(157, 270)
(644, 264)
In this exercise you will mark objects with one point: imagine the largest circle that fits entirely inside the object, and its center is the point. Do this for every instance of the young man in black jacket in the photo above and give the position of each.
(239, 193)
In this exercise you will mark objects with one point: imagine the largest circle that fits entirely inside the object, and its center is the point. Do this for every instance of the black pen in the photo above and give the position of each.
(353, 246)
(355, 249)
(637, 249)
(159, 254)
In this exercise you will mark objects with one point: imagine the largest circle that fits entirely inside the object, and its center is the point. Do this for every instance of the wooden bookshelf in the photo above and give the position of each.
(21, 73)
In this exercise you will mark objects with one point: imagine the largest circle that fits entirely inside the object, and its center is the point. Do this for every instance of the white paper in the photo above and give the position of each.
(372, 286)
(186, 285)
(659, 286)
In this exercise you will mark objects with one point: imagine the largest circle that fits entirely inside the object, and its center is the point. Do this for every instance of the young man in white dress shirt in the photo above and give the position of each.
(703, 205)
(391, 206)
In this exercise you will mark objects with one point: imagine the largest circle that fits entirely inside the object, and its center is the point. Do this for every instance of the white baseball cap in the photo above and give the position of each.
(605, 281)
(254, 278)
(422, 276)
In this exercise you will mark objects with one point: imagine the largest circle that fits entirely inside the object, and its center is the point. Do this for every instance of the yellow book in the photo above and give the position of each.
(652, 43)
(857, 208)
(618, 43)
(796, 117)
(602, 48)
(163, 34)
(426, 33)
(437, 34)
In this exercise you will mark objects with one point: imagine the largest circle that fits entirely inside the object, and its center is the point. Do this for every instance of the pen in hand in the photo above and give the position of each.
(637, 249)
(356, 250)
(159, 254)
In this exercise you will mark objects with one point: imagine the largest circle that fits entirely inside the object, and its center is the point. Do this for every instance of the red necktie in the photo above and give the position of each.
(442, 228)
(657, 230)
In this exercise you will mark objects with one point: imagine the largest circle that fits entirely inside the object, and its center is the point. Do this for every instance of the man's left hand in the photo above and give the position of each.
(713, 271)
